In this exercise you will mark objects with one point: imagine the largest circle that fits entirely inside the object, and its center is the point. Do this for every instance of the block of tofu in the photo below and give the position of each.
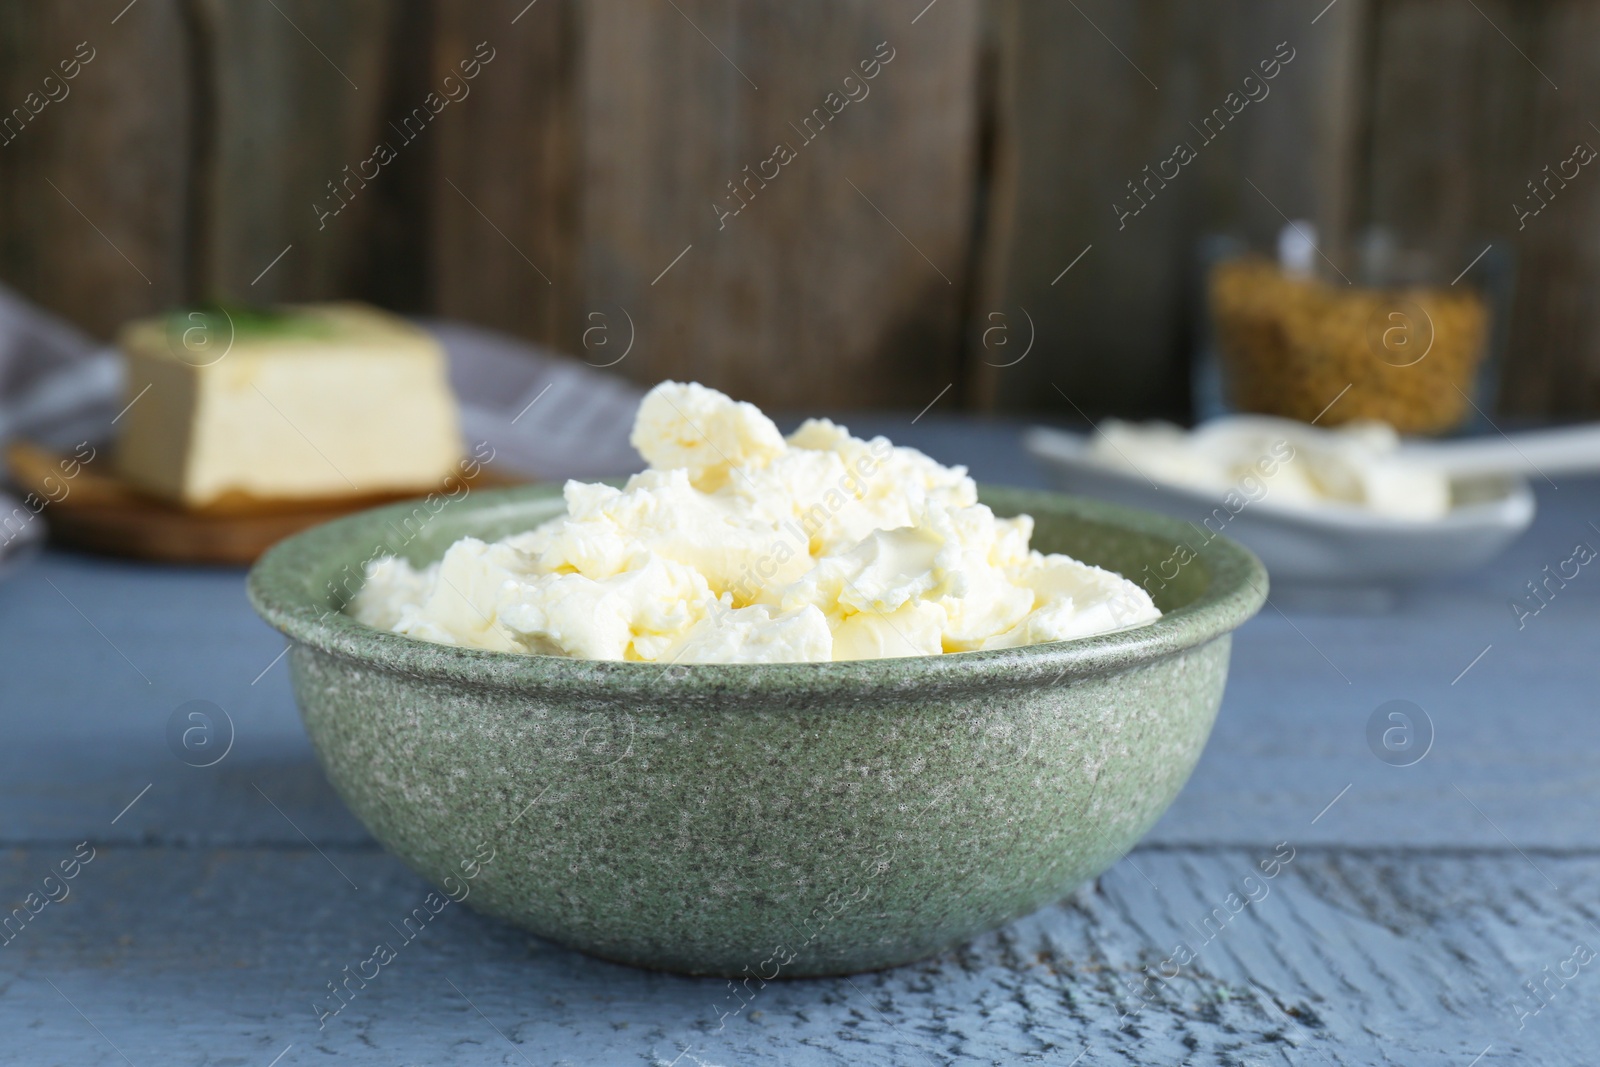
(299, 403)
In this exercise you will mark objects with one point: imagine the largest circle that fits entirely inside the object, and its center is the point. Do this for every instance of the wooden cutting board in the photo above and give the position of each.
(95, 510)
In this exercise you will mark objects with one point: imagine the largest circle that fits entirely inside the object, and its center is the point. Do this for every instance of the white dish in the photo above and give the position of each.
(1327, 545)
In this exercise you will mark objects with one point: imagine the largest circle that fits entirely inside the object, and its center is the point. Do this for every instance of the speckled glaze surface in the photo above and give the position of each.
(758, 821)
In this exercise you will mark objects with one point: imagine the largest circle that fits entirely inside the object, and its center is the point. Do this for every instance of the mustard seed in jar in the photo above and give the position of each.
(1290, 344)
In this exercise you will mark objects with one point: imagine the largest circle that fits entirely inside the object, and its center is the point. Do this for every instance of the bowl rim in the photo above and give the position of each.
(281, 587)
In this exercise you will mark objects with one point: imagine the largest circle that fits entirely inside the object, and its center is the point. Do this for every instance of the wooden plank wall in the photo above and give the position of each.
(95, 188)
(1094, 92)
(917, 241)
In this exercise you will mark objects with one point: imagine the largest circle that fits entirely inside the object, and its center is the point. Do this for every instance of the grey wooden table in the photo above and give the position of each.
(1438, 913)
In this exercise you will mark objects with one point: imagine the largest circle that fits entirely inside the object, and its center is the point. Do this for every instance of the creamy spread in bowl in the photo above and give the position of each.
(739, 545)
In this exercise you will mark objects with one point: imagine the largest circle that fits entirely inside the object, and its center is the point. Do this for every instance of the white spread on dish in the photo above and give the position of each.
(741, 546)
(1359, 464)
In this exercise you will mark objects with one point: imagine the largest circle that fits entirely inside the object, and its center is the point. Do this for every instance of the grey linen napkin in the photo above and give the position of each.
(546, 416)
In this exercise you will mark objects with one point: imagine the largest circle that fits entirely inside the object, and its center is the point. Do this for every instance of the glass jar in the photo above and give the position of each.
(1294, 336)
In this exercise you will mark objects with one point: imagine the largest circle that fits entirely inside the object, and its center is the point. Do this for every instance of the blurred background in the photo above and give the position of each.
(969, 203)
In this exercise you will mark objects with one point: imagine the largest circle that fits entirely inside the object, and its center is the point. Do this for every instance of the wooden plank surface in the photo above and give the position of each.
(816, 291)
(1317, 102)
(841, 277)
(1442, 182)
(890, 258)
(94, 187)
(1094, 97)
(1418, 901)
(505, 200)
(1076, 86)
(299, 87)
(1556, 322)
(1455, 141)
(175, 955)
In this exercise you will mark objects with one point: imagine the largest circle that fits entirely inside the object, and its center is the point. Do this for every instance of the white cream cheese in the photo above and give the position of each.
(741, 546)
(1356, 465)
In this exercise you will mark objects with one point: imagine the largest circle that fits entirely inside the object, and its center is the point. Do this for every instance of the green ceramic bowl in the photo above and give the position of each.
(759, 820)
